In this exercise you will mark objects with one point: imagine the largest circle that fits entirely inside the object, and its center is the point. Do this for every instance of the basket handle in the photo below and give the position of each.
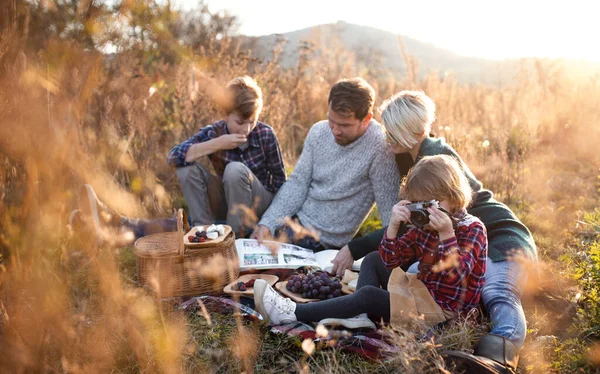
(182, 223)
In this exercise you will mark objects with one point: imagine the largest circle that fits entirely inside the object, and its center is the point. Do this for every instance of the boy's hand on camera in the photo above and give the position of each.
(440, 222)
(400, 213)
(231, 141)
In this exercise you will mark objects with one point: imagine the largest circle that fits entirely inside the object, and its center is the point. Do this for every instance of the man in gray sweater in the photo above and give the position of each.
(345, 167)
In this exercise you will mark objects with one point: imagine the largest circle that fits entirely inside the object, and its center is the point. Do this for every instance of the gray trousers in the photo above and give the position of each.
(239, 197)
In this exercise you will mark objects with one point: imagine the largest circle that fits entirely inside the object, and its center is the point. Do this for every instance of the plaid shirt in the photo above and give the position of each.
(452, 269)
(261, 154)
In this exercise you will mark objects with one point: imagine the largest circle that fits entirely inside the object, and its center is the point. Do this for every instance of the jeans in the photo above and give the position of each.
(237, 196)
(501, 298)
(142, 227)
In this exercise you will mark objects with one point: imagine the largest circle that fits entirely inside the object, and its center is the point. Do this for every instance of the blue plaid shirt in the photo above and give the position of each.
(262, 154)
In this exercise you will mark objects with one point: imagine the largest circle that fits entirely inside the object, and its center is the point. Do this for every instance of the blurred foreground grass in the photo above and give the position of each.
(71, 113)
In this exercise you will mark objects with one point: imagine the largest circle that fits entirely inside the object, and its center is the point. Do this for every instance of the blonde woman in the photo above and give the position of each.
(407, 117)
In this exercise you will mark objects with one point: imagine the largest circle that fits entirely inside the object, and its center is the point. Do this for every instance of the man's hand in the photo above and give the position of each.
(342, 261)
(231, 141)
(261, 233)
(440, 222)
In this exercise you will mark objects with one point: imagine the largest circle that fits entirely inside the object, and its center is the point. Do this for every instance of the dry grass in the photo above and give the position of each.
(68, 114)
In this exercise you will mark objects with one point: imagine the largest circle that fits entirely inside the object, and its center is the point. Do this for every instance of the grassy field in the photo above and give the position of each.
(70, 114)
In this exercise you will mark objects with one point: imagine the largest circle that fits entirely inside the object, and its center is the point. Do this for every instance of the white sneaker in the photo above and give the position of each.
(361, 321)
(274, 308)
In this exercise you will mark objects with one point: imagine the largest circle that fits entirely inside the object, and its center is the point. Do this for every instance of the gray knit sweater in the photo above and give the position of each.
(333, 187)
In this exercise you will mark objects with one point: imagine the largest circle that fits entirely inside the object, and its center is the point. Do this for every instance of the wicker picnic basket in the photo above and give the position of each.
(165, 265)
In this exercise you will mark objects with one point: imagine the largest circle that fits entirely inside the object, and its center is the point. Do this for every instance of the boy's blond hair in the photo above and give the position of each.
(244, 97)
(440, 178)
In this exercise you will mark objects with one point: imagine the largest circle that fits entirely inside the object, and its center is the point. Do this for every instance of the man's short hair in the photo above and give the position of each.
(352, 96)
(244, 97)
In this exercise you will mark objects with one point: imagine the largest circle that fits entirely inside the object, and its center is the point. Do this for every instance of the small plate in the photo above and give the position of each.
(206, 243)
(269, 278)
(280, 286)
(346, 290)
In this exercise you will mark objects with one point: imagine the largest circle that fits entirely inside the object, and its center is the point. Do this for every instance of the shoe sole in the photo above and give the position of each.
(73, 216)
(359, 324)
(469, 364)
(259, 294)
(91, 203)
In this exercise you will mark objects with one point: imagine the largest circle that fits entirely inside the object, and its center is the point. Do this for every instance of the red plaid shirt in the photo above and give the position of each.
(261, 154)
(452, 269)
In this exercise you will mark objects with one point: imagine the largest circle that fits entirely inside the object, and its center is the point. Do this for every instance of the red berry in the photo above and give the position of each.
(250, 283)
(201, 239)
(191, 238)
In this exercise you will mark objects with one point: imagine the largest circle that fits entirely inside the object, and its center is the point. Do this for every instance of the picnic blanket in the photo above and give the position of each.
(370, 344)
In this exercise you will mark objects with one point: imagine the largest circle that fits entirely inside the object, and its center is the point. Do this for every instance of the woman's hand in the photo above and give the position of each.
(342, 261)
(400, 214)
(440, 222)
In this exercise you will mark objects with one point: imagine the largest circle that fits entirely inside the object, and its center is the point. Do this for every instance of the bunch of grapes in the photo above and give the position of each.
(316, 285)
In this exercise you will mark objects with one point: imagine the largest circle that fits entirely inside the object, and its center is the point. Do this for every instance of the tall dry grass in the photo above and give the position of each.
(70, 114)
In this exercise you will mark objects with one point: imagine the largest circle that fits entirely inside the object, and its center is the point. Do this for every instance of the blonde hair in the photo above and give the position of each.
(407, 116)
(440, 178)
(244, 97)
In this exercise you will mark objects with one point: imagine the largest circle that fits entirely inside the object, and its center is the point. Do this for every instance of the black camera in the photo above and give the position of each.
(419, 216)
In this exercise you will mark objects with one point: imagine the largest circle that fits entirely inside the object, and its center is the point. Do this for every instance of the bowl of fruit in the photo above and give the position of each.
(312, 286)
(202, 236)
(244, 285)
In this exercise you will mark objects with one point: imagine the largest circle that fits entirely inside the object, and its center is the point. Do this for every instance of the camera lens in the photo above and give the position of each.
(419, 218)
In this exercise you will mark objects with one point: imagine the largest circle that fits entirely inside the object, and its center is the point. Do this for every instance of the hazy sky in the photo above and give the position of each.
(482, 28)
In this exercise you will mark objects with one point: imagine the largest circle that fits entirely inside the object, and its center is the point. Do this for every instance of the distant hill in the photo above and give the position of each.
(384, 46)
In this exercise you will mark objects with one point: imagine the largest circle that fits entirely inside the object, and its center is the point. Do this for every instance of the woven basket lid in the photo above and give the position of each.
(158, 245)
(164, 244)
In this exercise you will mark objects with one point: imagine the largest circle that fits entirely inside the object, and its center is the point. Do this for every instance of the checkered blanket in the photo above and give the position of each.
(370, 344)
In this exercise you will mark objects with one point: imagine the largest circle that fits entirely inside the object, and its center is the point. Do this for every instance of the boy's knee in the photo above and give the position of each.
(182, 173)
(191, 175)
(371, 259)
(235, 171)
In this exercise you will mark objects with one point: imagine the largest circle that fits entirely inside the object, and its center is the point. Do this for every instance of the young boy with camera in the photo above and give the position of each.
(451, 248)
